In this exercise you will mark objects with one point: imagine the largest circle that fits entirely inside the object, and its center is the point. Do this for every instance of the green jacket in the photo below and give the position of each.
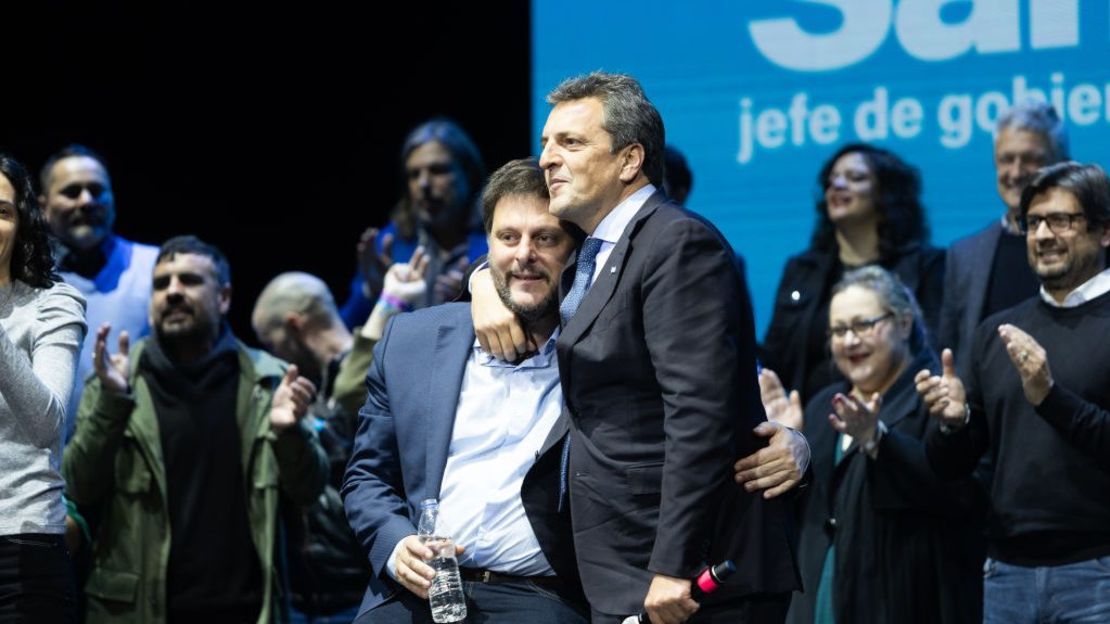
(114, 462)
(349, 389)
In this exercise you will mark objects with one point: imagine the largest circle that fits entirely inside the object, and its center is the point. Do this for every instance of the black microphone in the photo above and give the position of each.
(707, 581)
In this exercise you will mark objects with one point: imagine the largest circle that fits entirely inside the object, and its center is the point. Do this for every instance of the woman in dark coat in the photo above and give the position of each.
(882, 539)
(869, 212)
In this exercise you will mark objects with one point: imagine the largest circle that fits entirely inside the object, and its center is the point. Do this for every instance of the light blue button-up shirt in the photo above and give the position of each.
(504, 415)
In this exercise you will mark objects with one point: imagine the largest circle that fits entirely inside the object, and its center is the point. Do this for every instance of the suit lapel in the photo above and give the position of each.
(452, 352)
(606, 283)
(980, 278)
(558, 430)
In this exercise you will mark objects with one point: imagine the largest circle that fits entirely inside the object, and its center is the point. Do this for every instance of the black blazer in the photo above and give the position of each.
(802, 292)
(967, 277)
(908, 546)
(658, 375)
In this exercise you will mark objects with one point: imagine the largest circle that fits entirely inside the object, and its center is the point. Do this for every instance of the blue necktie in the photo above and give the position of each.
(583, 275)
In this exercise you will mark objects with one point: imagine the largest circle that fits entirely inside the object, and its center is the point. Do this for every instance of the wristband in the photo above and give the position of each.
(395, 302)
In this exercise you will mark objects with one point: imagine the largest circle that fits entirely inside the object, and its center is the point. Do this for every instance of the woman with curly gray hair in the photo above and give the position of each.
(882, 539)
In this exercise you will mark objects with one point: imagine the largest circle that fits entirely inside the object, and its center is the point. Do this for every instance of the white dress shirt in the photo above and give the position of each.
(504, 415)
(1094, 287)
(614, 224)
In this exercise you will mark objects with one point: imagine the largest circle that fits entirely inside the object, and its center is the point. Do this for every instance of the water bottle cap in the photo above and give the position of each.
(429, 502)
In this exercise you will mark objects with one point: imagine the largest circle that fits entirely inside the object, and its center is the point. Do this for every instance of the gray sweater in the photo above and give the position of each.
(41, 330)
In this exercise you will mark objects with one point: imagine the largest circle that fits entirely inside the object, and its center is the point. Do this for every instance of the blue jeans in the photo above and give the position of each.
(1076, 592)
(487, 603)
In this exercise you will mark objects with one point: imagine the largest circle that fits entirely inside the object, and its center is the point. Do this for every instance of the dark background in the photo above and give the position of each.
(271, 131)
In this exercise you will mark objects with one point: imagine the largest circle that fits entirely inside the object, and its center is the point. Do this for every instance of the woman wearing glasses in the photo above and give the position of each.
(882, 540)
(868, 213)
(42, 323)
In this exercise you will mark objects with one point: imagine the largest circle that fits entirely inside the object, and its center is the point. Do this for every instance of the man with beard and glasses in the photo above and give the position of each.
(111, 272)
(444, 419)
(1045, 427)
(183, 441)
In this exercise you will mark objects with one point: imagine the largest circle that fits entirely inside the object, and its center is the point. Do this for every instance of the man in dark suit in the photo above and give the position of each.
(657, 361)
(446, 420)
(988, 272)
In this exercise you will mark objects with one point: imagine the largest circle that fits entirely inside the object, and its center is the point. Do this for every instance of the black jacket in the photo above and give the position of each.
(803, 298)
(907, 546)
(327, 570)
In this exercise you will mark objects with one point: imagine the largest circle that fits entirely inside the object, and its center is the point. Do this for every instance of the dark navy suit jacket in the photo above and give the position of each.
(659, 377)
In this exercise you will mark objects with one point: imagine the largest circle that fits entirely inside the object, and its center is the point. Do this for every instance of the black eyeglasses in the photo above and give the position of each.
(861, 327)
(1058, 222)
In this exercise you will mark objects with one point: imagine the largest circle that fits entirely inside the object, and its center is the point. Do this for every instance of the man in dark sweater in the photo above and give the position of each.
(987, 272)
(1046, 427)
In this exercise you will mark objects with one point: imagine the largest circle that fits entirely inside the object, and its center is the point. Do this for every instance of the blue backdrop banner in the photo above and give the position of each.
(757, 95)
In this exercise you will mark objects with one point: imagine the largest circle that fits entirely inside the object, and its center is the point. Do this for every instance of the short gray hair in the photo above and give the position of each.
(629, 116)
(297, 292)
(893, 295)
(1041, 118)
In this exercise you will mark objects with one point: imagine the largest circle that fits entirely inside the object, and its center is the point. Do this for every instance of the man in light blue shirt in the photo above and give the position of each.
(446, 420)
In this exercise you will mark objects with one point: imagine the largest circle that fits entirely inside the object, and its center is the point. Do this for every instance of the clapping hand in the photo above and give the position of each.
(291, 400)
(372, 264)
(944, 394)
(1030, 360)
(781, 407)
(113, 370)
(856, 417)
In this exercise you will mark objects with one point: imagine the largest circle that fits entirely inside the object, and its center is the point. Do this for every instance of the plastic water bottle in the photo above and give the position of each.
(446, 594)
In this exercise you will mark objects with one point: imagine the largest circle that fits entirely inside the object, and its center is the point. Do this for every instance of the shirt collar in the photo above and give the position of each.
(1094, 287)
(614, 223)
(542, 358)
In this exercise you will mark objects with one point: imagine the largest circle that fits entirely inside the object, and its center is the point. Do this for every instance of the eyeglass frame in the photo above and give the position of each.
(861, 327)
(1072, 217)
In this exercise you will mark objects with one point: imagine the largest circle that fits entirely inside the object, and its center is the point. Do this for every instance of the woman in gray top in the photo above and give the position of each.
(42, 324)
